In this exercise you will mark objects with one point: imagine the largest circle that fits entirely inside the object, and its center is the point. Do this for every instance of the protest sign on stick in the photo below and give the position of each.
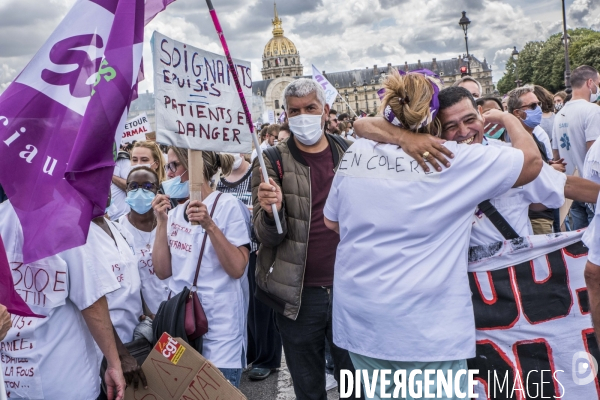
(196, 103)
(219, 30)
(196, 170)
(197, 106)
(135, 129)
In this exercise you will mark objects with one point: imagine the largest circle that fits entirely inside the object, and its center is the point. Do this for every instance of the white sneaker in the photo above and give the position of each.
(330, 382)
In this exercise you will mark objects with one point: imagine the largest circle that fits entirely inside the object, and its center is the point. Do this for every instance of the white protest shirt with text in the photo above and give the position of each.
(124, 304)
(547, 189)
(118, 206)
(154, 290)
(401, 286)
(52, 357)
(577, 123)
(221, 296)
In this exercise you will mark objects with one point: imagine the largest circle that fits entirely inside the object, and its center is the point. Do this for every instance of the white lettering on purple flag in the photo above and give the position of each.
(64, 69)
(59, 120)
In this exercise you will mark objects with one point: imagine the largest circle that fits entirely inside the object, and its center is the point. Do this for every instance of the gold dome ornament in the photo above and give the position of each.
(279, 45)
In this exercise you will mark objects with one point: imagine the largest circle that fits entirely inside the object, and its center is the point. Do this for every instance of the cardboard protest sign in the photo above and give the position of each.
(534, 330)
(197, 103)
(135, 129)
(176, 371)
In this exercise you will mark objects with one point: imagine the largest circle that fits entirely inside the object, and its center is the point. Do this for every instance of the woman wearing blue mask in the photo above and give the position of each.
(177, 186)
(140, 222)
(218, 274)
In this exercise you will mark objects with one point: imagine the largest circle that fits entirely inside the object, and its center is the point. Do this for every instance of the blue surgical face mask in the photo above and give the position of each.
(140, 200)
(534, 117)
(176, 189)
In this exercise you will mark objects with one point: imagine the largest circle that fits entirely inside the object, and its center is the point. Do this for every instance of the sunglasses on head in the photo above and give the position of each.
(146, 186)
(532, 106)
(172, 166)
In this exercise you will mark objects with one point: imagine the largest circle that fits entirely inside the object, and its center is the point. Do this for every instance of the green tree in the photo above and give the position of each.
(549, 64)
(586, 50)
(543, 63)
(527, 58)
(507, 82)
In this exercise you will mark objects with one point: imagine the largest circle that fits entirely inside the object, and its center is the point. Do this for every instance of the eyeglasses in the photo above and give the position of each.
(172, 166)
(532, 106)
(335, 120)
(146, 186)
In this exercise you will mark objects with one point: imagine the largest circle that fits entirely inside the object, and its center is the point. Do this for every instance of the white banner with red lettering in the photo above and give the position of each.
(534, 330)
(197, 103)
(135, 129)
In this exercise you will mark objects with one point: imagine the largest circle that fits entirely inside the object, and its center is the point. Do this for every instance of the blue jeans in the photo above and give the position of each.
(233, 375)
(370, 364)
(581, 215)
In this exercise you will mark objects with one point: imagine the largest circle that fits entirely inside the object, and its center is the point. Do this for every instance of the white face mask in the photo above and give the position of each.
(307, 128)
(594, 96)
(237, 161)
(143, 165)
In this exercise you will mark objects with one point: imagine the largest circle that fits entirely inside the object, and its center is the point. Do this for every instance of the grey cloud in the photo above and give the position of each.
(579, 9)
(387, 4)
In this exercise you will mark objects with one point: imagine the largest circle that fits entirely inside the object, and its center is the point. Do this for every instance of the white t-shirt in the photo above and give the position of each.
(52, 357)
(125, 304)
(543, 137)
(400, 282)
(263, 145)
(2, 387)
(547, 189)
(154, 290)
(221, 296)
(591, 237)
(577, 123)
(591, 164)
(118, 206)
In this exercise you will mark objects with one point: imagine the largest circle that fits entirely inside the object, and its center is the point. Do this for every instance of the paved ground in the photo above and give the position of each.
(278, 386)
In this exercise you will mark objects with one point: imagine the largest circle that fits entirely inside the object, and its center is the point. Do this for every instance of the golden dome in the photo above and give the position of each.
(279, 45)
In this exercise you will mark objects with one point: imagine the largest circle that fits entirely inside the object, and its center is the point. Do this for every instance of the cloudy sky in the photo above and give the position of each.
(334, 35)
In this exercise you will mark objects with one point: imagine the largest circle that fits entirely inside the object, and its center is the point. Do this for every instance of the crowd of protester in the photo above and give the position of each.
(343, 233)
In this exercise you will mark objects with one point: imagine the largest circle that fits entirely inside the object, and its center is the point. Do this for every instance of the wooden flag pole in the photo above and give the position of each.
(196, 172)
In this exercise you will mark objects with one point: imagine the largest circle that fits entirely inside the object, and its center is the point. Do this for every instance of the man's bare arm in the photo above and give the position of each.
(580, 189)
(120, 182)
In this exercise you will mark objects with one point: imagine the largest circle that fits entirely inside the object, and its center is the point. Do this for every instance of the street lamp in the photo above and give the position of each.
(515, 56)
(356, 96)
(566, 45)
(366, 98)
(347, 104)
(464, 23)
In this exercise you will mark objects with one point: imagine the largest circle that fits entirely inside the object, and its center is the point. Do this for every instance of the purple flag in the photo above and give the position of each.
(59, 119)
(8, 295)
(153, 7)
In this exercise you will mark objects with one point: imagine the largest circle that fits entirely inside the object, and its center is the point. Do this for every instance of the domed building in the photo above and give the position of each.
(357, 88)
(280, 57)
